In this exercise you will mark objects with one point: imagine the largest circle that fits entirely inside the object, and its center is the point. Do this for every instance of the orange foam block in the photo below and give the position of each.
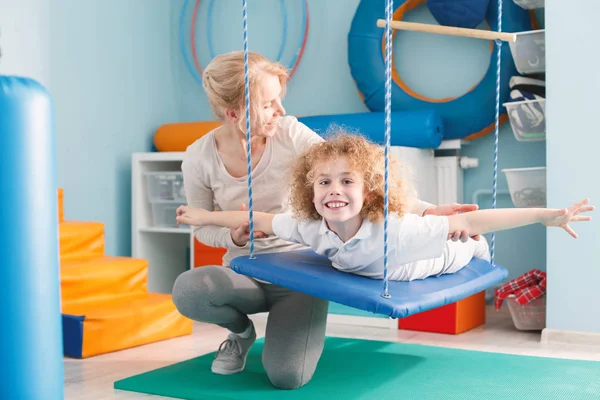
(452, 318)
(122, 324)
(61, 206)
(206, 255)
(178, 136)
(81, 240)
(87, 282)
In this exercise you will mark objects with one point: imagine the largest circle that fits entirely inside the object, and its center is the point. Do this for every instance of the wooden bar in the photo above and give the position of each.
(449, 30)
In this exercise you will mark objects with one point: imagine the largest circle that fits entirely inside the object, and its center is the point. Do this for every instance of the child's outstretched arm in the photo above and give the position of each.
(230, 219)
(484, 221)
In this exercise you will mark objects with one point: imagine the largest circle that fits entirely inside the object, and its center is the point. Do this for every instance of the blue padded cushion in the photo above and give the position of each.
(419, 129)
(459, 13)
(311, 273)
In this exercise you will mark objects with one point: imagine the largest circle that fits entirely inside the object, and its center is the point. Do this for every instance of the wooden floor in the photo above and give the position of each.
(92, 379)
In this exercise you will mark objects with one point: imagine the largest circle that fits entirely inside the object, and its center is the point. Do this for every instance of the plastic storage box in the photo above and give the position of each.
(165, 193)
(527, 119)
(164, 213)
(527, 186)
(530, 316)
(529, 52)
(167, 185)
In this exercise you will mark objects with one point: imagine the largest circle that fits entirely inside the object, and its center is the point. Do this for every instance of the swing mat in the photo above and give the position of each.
(359, 369)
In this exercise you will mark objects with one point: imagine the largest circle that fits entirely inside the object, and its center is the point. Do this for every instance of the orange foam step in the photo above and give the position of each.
(454, 318)
(61, 206)
(123, 324)
(92, 281)
(81, 240)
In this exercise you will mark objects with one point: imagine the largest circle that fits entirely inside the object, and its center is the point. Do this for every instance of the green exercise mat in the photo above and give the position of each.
(352, 369)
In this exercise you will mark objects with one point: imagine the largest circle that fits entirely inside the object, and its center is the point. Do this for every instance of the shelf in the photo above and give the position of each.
(452, 144)
(168, 249)
(158, 156)
(186, 231)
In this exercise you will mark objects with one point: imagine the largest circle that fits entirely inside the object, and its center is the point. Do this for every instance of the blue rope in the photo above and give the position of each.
(248, 146)
(188, 64)
(497, 124)
(388, 121)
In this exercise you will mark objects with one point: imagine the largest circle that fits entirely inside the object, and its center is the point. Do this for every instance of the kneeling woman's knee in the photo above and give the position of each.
(189, 292)
(288, 376)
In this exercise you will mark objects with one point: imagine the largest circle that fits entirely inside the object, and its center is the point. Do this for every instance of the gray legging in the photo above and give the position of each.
(295, 327)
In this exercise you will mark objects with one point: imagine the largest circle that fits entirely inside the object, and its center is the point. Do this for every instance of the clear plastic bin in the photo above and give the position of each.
(164, 214)
(530, 4)
(527, 119)
(529, 52)
(165, 185)
(530, 316)
(527, 186)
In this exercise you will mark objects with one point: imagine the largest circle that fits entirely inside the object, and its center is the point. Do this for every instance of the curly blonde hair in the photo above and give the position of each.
(365, 158)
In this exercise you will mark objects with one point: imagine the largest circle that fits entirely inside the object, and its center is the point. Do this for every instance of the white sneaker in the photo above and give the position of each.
(232, 353)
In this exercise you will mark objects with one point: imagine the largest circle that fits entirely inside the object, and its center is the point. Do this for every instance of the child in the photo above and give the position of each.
(337, 198)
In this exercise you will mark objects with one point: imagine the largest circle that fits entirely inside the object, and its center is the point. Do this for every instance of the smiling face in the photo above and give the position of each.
(266, 107)
(318, 178)
(338, 192)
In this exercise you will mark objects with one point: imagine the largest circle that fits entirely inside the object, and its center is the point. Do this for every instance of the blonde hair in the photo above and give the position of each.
(224, 82)
(366, 159)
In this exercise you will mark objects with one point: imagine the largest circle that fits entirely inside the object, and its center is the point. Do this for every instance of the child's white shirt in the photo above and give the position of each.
(410, 238)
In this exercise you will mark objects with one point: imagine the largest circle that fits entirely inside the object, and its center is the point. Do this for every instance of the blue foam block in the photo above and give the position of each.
(72, 335)
(308, 272)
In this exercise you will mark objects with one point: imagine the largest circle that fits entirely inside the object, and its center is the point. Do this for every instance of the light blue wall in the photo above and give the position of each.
(573, 87)
(321, 84)
(110, 75)
(24, 27)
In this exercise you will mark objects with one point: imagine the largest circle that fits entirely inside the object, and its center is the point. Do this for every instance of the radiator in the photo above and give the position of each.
(449, 177)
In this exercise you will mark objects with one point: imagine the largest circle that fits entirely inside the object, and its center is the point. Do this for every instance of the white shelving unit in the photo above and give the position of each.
(169, 251)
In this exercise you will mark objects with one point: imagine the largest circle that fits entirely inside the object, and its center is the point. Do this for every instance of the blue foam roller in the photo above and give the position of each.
(419, 129)
(31, 335)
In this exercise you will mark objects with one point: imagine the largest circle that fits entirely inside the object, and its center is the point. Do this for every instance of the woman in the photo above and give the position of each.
(215, 175)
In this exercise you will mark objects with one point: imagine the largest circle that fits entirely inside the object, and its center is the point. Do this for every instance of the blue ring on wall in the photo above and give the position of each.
(472, 114)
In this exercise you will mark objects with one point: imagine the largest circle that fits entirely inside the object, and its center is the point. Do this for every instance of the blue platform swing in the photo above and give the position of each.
(311, 273)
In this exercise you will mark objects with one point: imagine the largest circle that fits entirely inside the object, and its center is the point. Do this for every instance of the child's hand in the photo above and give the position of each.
(562, 217)
(241, 235)
(190, 215)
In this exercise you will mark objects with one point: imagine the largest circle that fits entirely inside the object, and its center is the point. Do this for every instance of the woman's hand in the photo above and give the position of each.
(453, 209)
(562, 217)
(241, 234)
(190, 215)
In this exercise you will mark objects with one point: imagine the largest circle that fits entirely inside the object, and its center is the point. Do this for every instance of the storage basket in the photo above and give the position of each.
(527, 186)
(530, 316)
(529, 52)
(527, 119)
